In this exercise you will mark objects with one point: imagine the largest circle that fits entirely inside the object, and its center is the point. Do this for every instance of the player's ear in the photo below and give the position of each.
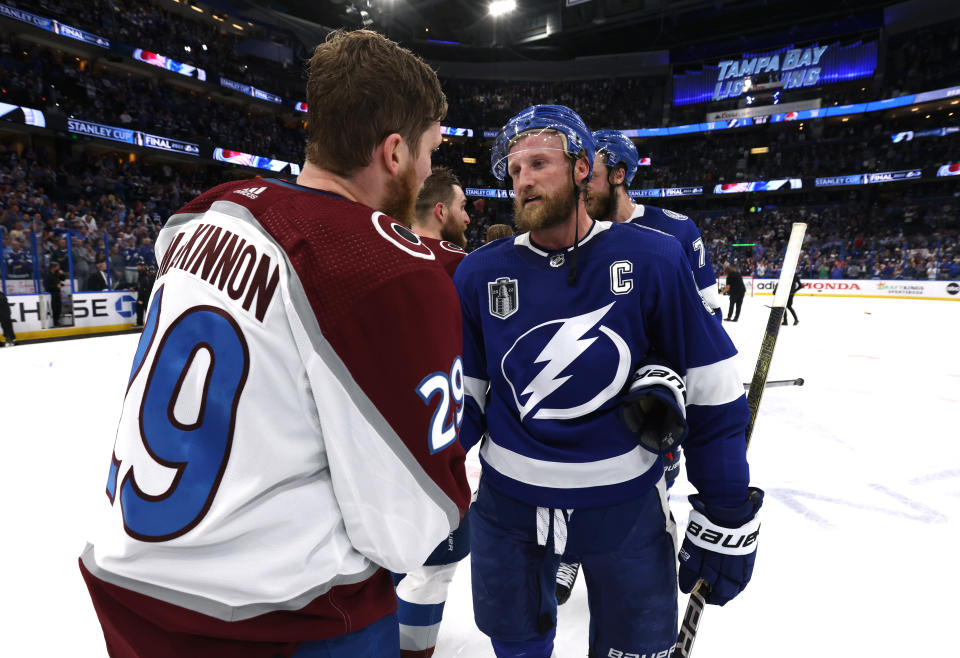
(438, 209)
(619, 175)
(390, 154)
(581, 171)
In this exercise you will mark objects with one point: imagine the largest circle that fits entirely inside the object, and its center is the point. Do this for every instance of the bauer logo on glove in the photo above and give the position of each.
(720, 547)
(654, 408)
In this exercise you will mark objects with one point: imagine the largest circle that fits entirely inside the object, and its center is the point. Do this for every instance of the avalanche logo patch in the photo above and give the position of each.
(503, 297)
(566, 368)
(400, 236)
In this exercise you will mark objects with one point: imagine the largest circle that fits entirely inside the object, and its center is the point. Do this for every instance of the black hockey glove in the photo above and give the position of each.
(653, 408)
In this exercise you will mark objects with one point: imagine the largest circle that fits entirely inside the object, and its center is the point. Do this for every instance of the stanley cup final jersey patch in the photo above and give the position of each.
(503, 297)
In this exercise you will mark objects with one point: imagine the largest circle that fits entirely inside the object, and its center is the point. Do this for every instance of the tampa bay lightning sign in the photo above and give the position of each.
(586, 364)
(504, 300)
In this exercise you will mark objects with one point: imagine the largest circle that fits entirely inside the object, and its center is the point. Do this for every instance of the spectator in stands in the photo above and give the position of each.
(117, 267)
(18, 261)
(131, 256)
(59, 254)
(146, 252)
(6, 323)
(953, 269)
(736, 289)
(497, 231)
(83, 260)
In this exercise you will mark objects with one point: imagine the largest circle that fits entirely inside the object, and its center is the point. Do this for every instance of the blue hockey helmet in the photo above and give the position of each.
(559, 119)
(619, 150)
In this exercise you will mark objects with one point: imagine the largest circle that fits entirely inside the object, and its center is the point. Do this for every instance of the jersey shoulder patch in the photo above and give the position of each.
(673, 215)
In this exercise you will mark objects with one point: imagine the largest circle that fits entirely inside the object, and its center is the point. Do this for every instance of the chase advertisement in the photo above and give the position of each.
(90, 309)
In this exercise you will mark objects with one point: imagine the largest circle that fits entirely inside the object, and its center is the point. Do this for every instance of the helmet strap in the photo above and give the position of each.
(572, 274)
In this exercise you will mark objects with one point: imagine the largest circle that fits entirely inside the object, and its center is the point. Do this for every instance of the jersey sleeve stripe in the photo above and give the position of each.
(477, 389)
(566, 475)
(715, 384)
(711, 296)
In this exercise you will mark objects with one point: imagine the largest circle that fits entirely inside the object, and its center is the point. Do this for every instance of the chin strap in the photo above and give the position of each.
(572, 275)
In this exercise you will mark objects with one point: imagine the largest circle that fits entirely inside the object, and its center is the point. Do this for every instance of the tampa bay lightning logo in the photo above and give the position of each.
(585, 365)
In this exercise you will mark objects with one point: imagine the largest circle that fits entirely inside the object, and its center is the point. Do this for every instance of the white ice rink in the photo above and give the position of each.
(861, 524)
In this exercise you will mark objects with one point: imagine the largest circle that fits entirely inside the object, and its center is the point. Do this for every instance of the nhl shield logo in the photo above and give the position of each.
(503, 297)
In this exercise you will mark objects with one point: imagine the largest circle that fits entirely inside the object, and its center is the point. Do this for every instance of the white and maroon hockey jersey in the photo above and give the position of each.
(290, 424)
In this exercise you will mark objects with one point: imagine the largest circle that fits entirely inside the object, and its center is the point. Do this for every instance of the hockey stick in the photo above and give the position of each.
(696, 604)
(778, 382)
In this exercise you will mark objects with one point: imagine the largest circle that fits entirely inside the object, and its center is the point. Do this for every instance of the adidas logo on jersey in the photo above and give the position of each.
(251, 192)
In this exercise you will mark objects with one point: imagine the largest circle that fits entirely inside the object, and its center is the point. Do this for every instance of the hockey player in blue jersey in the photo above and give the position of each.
(607, 199)
(614, 167)
(568, 330)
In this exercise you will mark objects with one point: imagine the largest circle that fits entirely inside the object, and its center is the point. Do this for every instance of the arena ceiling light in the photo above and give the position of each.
(501, 7)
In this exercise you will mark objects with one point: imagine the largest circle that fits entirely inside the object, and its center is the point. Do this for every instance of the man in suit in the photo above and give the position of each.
(736, 289)
(97, 280)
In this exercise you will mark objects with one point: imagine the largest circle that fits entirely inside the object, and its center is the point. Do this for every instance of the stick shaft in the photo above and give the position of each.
(772, 383)
(696, 602)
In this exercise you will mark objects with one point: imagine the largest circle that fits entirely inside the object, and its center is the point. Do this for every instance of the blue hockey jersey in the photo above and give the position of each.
(683, 229)
(545, 363)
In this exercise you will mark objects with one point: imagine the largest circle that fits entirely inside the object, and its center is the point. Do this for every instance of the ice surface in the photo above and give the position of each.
(861, 465)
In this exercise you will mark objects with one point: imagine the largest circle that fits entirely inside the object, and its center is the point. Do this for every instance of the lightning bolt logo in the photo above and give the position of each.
(565, 347)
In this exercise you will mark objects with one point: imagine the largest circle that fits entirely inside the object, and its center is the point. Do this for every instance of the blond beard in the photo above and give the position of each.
(402, 196)
(602, 208)
(553, 211)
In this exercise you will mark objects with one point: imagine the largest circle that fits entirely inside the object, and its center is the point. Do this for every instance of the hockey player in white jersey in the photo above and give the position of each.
(614, 167)
(588, 352)
(289, 431)
(440, 219)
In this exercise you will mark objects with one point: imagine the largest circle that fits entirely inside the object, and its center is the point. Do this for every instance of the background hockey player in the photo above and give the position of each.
(439, 220)
(289, 432)
(560, 323)
(614, 167)
(441, 209)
